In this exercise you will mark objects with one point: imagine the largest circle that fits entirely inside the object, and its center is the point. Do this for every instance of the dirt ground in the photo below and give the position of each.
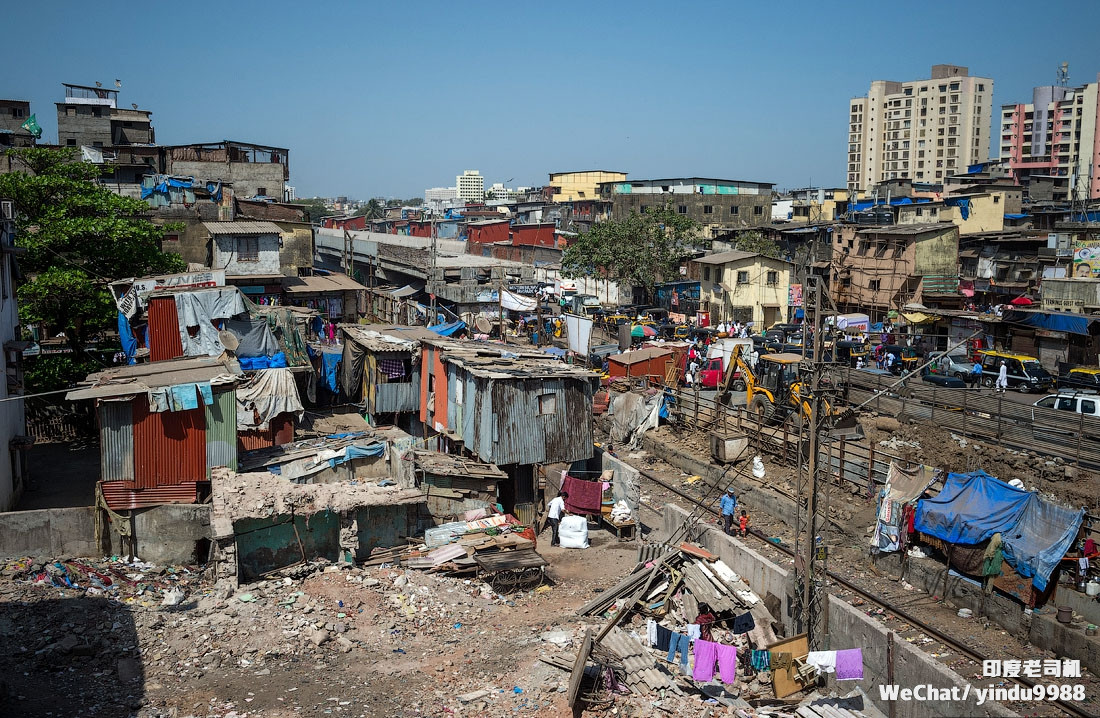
(343, 641)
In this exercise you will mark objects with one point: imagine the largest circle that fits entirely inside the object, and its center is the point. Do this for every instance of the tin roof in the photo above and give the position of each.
(242, 228)
(334, 282)
(387, 337)
(433, 462)
(640, 355)
(499, 361)
(734, 255)
(142, 378)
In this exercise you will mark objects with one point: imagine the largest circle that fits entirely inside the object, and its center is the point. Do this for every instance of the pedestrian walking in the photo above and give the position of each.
(553, 515)
(728, 505)
(1002, 377)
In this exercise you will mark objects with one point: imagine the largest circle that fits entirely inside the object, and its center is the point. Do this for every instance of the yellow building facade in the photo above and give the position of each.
(743, 286)
(582, 185)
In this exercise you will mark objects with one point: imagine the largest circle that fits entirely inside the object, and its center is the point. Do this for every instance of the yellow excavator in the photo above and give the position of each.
(775, 391)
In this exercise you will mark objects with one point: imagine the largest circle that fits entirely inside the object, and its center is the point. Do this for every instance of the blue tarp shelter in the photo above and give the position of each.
(448, 329)
(1071, 323)
(972, 507)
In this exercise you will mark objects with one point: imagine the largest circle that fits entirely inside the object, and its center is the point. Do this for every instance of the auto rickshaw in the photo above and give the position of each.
(849, 352)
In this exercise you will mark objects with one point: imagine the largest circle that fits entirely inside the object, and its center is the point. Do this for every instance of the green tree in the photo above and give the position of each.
(641, 249)
(414, 201)
(316, 208)
(755, 241)
(373, 209)
(78, 236)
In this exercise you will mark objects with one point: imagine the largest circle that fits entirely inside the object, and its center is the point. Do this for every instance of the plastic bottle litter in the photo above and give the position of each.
(757, 467)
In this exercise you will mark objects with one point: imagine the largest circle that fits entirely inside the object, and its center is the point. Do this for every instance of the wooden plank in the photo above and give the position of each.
(578, 670)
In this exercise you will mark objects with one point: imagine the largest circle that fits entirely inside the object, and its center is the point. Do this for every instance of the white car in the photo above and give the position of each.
(1087, 404)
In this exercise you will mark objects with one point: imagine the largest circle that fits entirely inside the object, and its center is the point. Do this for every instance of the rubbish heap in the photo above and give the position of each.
(679, 596)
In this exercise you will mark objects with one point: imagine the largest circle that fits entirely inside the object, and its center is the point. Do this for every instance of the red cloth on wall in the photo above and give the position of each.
(585, 497)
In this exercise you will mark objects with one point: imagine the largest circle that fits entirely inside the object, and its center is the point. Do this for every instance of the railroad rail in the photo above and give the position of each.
(883, 603)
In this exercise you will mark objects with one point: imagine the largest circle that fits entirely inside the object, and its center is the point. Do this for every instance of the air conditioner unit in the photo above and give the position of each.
(7, 209)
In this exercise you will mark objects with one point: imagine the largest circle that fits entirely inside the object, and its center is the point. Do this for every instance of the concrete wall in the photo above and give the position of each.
(849, 627)
(225, 255)
(247, 177)
(937, 254)
(726, 210)
(165, 534)
(79, 124)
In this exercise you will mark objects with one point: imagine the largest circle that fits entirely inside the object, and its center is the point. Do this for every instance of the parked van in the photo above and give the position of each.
(1025, 374)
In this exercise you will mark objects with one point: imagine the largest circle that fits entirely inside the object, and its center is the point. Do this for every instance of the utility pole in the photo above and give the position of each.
(811, 553)
(500, 308)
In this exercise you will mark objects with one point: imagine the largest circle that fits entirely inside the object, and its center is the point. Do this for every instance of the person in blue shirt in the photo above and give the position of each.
(976, 375)
(728, 506)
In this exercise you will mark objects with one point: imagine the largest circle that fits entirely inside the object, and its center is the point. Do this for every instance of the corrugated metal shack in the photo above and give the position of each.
(381, 368)
(163, 427)
(508, 407)
(649, 362)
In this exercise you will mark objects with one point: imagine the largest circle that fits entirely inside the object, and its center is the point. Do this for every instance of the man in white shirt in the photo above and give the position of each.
(554, 514)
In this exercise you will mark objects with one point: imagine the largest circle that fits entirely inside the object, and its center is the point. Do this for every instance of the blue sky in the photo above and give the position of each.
(390, 98)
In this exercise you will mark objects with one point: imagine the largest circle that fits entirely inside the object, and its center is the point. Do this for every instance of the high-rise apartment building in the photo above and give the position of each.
(1053, 142)
(471, 186)
(923, 130)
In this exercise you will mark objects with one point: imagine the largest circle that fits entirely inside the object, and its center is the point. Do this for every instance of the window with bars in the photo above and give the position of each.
(248, 249)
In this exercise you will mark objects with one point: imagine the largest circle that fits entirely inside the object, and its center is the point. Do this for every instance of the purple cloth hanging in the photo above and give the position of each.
(849, 665)
(727, 663)
(706, 655)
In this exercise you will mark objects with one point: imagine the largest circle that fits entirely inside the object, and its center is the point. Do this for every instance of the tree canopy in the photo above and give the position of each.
(642, 249)
(78, 236)
(316, 207)
(755, 241)
(373, 209)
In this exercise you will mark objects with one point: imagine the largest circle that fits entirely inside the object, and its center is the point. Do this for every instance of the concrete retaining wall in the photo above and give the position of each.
(167, 534)
(849, 628)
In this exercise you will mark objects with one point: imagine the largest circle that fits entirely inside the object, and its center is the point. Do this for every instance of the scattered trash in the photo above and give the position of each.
(965, 613)
(757, 467)
(173, 597)
(246, 598)
(517, 690)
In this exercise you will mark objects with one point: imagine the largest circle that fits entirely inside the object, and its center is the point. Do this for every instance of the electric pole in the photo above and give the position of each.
(811, 523)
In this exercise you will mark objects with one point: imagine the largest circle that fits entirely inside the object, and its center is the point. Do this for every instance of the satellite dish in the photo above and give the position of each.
(229, 340)
(98, 83)
(134, 105)
(118, 84)
(482, 324)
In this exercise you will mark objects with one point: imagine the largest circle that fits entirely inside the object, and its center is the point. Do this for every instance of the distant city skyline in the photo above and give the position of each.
(703, 89)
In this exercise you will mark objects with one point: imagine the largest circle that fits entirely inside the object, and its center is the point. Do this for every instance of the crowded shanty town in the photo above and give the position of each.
(682, 520)
(607, 447)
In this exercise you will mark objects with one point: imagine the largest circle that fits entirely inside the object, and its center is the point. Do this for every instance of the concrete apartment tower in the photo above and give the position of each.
(1052, 144)
(471, 186)
(923, 130)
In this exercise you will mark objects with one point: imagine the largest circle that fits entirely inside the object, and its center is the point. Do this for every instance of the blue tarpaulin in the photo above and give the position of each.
(1039, 540)
(1016, 216)
(963, 203)
(556, 351)
(126, 335)
(330, 363)
(357, 451)
(448, 329)
(1071, 323)
(972, 507)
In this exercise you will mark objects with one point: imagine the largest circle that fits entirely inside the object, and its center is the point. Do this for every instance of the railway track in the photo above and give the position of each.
(1069, 708)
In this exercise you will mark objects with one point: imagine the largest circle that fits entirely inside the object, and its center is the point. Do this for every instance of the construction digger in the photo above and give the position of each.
(776, 392)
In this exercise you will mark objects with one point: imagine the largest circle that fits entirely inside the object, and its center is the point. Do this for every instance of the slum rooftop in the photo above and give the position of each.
(142, 378)
(502, 361)
(387, 337)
